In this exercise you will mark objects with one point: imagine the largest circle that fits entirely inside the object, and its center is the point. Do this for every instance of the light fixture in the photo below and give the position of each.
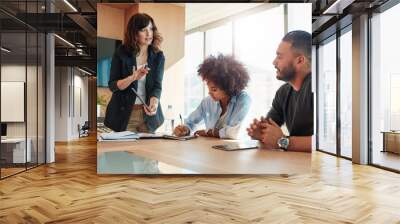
(64, 40)
(84, 71)
(5, 50)
(70, 5)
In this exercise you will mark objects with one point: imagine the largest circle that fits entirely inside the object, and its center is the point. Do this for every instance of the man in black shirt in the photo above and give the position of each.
(293, 102)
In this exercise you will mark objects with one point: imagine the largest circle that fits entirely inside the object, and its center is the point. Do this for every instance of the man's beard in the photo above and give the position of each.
(287, 74)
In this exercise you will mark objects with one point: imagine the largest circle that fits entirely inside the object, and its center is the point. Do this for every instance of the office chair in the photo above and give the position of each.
(84, 130)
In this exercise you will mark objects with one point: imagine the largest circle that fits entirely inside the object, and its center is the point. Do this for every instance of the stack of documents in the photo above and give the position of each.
(115, 136)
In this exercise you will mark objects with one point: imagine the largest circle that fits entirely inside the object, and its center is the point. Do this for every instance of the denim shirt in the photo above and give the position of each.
(209, 111)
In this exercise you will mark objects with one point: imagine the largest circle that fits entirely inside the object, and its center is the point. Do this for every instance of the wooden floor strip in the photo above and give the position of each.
(70, 191)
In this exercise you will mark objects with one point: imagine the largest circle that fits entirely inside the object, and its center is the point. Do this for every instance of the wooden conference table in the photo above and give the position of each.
(162, 156)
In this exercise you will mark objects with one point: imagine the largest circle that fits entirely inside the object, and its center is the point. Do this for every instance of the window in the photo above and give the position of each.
(258, 53)
(219, 40)
(327, 96)
(385, 85)
(194, 88)
(296, 20)
(23, 76)
(346, 94)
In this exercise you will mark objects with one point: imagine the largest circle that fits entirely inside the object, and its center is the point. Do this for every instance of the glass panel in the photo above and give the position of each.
(219, 40)
(299, 16)
(346, 94)
(32, 98)
(41, 98)
(194, 87)
(385, 84)
(13, 86)
(124, 162)
(258, 54)
(327, 96)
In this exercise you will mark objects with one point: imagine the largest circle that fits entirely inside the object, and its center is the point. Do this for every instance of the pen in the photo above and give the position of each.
(180, 116)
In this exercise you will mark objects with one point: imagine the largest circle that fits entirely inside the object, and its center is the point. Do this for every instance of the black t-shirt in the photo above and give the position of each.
(294, 108)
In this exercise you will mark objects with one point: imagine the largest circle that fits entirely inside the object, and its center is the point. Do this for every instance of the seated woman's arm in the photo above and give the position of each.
(233, 126)
(190, 123)
(195, 117)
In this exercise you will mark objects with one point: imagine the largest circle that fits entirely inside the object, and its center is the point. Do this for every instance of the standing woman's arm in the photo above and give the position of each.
(157, 87)
(155, 93)
(116, 81)
(115, 73)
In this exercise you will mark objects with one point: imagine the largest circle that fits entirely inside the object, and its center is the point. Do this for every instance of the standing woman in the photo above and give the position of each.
(137, 64)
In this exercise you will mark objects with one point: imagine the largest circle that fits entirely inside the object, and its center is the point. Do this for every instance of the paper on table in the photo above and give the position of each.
(150, 135)
(119, 135)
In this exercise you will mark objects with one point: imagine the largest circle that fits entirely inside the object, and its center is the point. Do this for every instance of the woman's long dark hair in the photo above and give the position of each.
(135, 24)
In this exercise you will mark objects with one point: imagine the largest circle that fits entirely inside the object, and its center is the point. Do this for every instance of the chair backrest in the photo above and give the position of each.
(86, 125)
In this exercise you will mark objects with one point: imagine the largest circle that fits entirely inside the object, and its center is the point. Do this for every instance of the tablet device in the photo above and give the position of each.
(233, 146)
(181, 138)
(141, 99)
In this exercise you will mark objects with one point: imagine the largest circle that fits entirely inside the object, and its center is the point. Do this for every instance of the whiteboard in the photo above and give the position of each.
(12, 101)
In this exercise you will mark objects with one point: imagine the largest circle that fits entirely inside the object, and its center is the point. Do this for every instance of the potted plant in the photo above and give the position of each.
(101, 101)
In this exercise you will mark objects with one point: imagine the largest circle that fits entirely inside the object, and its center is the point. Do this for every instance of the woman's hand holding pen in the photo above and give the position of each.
(138, 74)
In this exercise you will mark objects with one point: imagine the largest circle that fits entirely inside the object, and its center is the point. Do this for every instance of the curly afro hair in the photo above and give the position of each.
(225, 72)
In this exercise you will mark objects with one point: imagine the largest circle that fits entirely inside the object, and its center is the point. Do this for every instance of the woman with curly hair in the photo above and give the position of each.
(137, 66)
(227, 104)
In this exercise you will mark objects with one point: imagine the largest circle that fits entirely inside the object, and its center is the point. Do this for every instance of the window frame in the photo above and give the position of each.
(333, 37)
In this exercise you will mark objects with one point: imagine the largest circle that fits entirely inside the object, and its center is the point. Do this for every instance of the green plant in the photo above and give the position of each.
(101, 100)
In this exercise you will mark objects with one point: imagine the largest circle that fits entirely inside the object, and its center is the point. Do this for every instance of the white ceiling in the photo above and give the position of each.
(198, 14)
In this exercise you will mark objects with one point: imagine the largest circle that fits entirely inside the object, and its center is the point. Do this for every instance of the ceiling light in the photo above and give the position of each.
(64, 40)
(70, 5)
(5, 50)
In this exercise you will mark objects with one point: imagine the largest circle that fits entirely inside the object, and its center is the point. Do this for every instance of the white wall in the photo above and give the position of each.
(12, 73)
(35, 120)
(173, 92)
(67, 115)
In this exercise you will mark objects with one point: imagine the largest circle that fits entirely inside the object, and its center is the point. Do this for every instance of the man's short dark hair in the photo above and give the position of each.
(301, 42)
